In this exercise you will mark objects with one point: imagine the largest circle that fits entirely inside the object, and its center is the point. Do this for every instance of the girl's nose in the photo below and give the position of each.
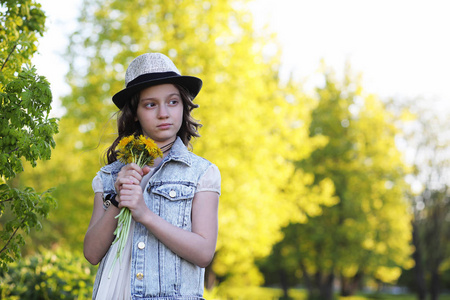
(162, 113)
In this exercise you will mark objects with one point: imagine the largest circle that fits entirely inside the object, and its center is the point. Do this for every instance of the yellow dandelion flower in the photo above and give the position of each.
(143, 139)
(125, 141)
(150, 146)
(156, 152)
(120, 155)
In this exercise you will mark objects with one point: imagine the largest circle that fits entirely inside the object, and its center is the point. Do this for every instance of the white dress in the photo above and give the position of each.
(115, 283)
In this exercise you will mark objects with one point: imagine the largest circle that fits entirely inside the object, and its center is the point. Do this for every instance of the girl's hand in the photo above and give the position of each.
(130, 174)
(131, 196)
(129, 191)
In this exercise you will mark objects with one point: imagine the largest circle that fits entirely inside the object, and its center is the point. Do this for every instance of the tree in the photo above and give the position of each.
(26, 131)
(367, 232)
(253, 127)
(426, 138)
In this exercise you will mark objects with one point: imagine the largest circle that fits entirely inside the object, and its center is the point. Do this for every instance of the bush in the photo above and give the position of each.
(56, 274)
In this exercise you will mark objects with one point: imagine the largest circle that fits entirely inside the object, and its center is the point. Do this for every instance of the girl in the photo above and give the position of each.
(174, 202)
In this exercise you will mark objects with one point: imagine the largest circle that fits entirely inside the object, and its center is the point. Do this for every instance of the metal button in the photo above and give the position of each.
(141, 245)
(172, 193)
(139, 276)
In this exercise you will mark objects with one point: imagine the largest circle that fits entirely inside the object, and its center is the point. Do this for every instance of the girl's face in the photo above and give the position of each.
(160, 113)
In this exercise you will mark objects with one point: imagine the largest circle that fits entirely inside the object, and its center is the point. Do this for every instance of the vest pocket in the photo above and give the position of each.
(174, 202)
(174, 191)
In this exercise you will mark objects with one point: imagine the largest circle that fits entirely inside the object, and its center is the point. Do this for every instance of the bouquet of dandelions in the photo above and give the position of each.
(141, 151)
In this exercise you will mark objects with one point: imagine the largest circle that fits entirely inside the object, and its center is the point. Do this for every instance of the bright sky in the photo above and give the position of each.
(402, 47)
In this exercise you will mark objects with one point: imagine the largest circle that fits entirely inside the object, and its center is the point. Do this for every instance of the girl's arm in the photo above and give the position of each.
(198, 246)
(100, 233)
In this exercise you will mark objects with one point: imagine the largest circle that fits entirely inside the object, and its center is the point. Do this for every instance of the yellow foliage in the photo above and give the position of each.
(388, 275)
(368, 243)
(350, 270)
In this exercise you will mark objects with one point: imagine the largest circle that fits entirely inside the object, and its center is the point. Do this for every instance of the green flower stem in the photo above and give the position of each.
(121, 232)
(123, 225)
(139, 160)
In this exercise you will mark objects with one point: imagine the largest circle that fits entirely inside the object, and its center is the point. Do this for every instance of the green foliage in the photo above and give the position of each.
(26, 131)
(27, 207)
(58, 274)
(21, 21)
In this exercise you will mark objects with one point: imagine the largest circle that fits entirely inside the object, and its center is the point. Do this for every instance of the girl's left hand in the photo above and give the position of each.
(131, 196)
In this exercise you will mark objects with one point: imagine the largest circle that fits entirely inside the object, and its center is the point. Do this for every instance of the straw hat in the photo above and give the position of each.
(152, 69)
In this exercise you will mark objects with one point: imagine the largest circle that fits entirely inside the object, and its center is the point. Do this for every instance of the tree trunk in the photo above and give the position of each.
(284, 284)
(307, 278)
(436, 250)
(434, 286)
(349, 286)
(326, 290)
(419, 271)
(321, 288)
(315, 289)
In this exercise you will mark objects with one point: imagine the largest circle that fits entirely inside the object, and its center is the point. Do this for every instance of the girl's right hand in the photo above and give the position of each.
(130, 174)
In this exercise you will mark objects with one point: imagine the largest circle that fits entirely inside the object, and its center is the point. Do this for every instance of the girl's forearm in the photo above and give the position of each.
(189, 245)
(100, 234)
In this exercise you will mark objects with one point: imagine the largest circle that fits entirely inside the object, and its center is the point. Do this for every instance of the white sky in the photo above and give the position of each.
(402, 47)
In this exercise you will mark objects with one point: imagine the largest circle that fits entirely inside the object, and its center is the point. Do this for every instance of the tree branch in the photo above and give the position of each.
(7, 200)
(12, 235)
(9, 55)
(13, 150)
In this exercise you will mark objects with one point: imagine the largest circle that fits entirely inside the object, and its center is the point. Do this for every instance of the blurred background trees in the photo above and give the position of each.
(315, 190)
(366, 234)
(428, 139)
(250, 131)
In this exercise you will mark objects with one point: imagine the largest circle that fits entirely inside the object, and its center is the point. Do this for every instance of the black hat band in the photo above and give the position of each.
(150, 77)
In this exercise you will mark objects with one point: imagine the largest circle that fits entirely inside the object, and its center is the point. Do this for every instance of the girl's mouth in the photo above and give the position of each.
(164, 126)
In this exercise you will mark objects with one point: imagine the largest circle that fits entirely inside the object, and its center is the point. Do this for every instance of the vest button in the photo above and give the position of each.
(141, 245)
(139, 276)
(172, 193)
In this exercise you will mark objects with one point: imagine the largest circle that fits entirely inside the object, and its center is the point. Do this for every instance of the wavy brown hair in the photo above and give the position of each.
(127, 124)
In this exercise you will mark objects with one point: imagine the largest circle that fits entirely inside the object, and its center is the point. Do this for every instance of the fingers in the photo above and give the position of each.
(135, 167)
(129, 191)
(132, 170)
(130, 195)
(129, 174)
(127, 179)
(146, 170)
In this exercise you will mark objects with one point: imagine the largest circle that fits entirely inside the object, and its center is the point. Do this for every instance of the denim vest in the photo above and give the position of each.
(157, 272)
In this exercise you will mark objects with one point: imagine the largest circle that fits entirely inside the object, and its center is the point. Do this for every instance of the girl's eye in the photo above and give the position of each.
(149, 104)
(174, 102)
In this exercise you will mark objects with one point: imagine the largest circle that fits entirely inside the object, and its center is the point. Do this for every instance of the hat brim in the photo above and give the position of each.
(192, 84)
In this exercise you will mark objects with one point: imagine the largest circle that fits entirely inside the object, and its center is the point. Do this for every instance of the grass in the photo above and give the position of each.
(263, 293)
(252, 293)
(399, 297)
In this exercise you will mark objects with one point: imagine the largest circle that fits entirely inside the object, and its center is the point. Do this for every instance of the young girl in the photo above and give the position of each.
(174, 202)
